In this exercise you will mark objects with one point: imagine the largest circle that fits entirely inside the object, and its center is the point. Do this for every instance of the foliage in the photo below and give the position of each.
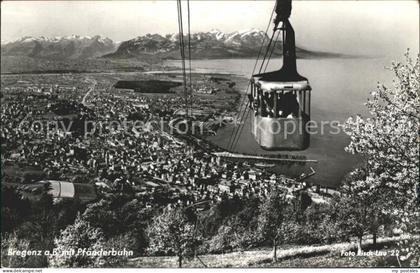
(351, 216)
(120, 216)
(222, 241)
(34, 223)
(10, 243)
(13, 210)
(237, 224)
(272, 215)
(389, 141)
(173, 232)
(389, 137)
(211, 221)
(410, 248)
(80, 235)
(318, 227)
(234, 235)
(17, 246)
(119, 242)
(271, 219)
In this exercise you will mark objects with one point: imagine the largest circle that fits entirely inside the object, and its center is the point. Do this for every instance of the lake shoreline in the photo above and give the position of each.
(330, 103)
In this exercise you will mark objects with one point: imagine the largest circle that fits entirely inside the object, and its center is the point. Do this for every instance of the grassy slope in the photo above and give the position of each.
(297, 256)
(334, 260)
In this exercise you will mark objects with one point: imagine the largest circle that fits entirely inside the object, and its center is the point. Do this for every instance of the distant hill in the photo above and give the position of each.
(24, 64)
(204, 45)
(93, 54)
(59, 48)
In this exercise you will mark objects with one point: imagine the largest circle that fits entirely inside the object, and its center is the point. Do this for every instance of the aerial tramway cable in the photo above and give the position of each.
(272, 50)
(234, 137)
(189, 51)
(260, 70)
(234, 132)
(246, 113)
(182, 51)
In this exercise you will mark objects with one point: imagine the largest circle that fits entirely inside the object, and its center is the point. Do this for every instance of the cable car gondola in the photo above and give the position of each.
(281, 99)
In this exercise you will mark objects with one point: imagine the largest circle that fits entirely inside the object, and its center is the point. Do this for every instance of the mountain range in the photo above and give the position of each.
(59, 48)
(212, 44)
(204, 45)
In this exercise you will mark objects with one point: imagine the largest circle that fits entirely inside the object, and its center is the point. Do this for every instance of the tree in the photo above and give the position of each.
(217, 216)
(351, 216)
(14, 209)
(79, 235)
(120, 216)
(388, 139)
(173, 233)
(29, 215)
(222, 240)
(118, 242)
(363, 210)
(11, 243)
(39, 225)
(230, 224)
(271, 219)
(101, 214)
(318, 226)
(410, 249)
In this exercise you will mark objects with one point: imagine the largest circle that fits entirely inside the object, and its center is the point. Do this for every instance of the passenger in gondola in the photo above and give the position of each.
(271, 100)
(288, 105)
(270, 104)
(267, 106)
(253, 104)
(263, 106)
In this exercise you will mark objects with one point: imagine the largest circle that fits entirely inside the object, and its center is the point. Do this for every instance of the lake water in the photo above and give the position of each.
(340, 87)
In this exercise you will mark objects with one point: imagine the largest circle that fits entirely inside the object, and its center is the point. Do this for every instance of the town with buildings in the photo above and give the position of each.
(80, 129)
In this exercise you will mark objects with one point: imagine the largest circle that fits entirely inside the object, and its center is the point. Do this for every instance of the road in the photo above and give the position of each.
(91, 88)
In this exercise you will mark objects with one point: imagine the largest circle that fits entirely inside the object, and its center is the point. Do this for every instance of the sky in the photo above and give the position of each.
(382, 28)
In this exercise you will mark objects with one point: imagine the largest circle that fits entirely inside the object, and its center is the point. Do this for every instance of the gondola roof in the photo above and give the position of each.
(281, 75)
(278, 80)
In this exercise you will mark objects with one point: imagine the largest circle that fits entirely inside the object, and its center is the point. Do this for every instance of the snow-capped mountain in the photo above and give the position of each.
(248, 38)
(211, 44)
(204, 45)
(59, 48)
(149, 47)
